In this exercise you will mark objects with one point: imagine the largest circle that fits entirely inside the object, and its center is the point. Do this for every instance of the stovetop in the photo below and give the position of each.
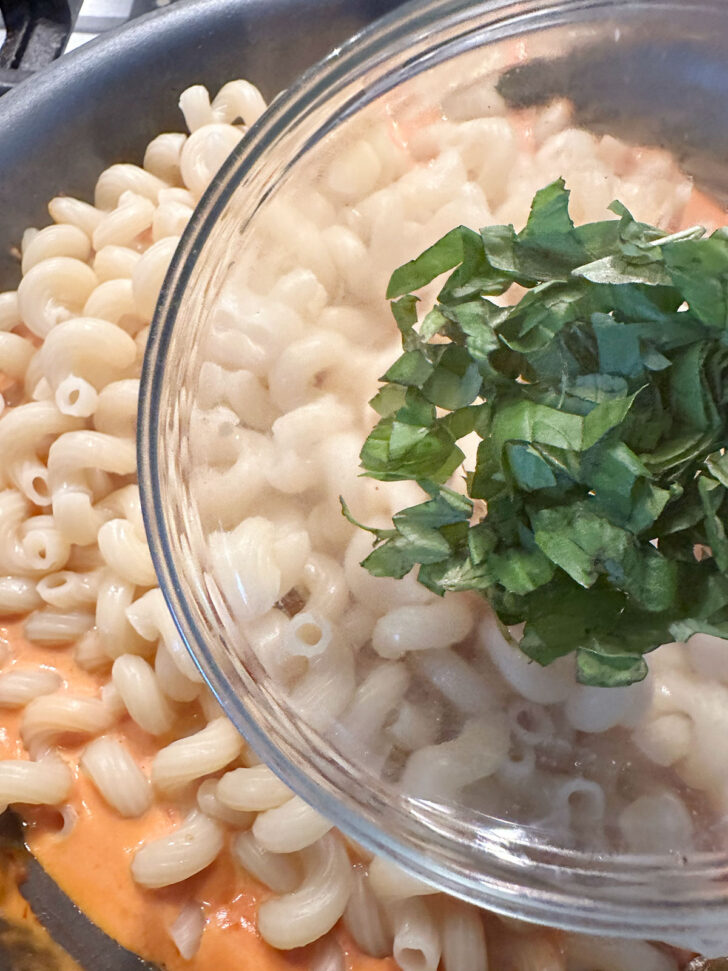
(98, 16)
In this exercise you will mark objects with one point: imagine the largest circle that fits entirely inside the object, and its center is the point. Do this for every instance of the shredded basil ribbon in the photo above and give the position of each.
(600, 402)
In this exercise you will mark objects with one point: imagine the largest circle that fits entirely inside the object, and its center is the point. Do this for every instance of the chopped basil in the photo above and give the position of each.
(601, 402)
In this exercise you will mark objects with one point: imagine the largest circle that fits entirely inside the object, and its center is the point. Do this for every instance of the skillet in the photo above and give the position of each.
(103, 103)
(59, 129)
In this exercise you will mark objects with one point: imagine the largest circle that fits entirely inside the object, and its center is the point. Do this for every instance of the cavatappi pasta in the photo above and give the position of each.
(102, 704)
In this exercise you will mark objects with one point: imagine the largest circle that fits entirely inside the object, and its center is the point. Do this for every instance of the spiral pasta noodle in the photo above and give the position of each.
(280, 416)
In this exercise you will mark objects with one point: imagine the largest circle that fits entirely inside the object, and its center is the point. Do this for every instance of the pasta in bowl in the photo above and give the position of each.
(413, 721)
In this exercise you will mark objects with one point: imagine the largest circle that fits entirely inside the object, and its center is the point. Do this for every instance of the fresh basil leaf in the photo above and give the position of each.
(712, 495)
(699, 270)
(618, 270)
(717, 465)
(579, 540)
(609, 670)
(619, 346)
(528, 467)
(444, 509)
(404, 312)
(463, 421)
(476, 275)
(521, 571)
(412, 369)
(455, 382)
(394, 558)
(415, 409)
(600, 398)
(381, 534)
(442, 256)
(482, 540)
(388, 400)
(549, 246)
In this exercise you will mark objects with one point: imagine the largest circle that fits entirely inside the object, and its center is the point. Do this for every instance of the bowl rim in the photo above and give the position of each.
(541, 895)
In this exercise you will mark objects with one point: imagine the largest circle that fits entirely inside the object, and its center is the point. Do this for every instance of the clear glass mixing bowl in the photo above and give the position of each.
(250, 326)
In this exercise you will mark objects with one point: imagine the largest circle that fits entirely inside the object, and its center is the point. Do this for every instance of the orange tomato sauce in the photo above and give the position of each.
(91, 862)
(702, 210)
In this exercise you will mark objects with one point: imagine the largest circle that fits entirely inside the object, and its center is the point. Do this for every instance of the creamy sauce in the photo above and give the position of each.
(91, 862)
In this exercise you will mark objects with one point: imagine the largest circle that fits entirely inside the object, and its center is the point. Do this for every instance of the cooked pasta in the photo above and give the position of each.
(23, 431)
(49, 626)
(120, 226)
(612, 954)
(125, 553)
(327, 955)
(526, 950)
(175, 685)
(92, 349)
(204, 752)
(463, 938)
(149, 618)
(47, 781)
(280, 413)
(312, 909)
(52, 291)
(18, 595)
(9, 310)
(117, 776)
(389, 882)
(417, 945)
(69, 589)
(290, 827)
(113, 300)
(210, 805)
(445, 768)
(51, 716)
(280, 872)
(375, 702)
(148, 275)
(67, 211)
(89, 653)
(137, 684)
(15, 354)
(20, 685)
(421, 628)
(161, 157)
(120, 178)
(252, 789)
(113, 623)
(114, 263)
(365, 918)
(238, 102)
(654, 821)
(187, 850)
(186, 931)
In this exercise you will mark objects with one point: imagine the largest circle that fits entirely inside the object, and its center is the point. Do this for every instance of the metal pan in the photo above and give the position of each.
(103, 103)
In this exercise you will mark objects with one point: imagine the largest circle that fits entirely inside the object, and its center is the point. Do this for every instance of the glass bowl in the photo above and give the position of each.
(489, 778)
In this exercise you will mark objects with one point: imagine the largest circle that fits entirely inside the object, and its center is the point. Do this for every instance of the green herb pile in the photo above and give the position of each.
(600, 402)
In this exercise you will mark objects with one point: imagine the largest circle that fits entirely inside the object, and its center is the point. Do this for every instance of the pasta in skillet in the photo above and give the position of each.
(282, 416)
